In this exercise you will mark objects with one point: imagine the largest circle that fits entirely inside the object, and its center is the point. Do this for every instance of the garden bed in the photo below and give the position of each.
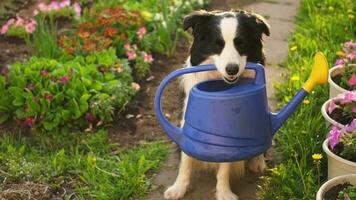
(112, 160)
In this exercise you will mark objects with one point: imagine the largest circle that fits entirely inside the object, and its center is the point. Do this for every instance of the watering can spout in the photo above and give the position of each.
(318, 76)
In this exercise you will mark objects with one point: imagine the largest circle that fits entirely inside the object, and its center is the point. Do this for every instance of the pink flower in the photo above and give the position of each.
(29, 121)
(131, 55)
(4, 29)
(44, 73)
(349, 97)
(334, 137)
(43, 7)
(48, 96)
(64, 3)
(354, 109)
(141, 32)
(351, 56)
(19, 22)
(331, 107)
(35, 12)
(134, 46)
(64, 79)
(351, 44)
(352, 80)
(77, 9)
(127, 46)
(339, 62)
(147, 57)
(30, 27)
(54, 5)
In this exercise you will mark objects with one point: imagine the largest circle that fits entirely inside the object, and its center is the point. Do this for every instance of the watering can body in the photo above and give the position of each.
(223, 122)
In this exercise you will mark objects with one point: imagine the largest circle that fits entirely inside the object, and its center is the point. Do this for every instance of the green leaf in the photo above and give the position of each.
(66, 115)
(3, 117)
(97, 86)
(73, 106)
(18, 101)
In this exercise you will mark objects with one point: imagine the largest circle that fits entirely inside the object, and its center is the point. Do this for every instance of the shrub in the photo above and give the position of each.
(112, 27)
(47, 94)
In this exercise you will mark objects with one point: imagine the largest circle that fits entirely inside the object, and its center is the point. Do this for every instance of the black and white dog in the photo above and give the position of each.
(228, 40)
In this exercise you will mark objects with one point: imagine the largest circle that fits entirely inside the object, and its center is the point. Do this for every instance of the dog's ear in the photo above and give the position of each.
(192, 19)
(262, 24)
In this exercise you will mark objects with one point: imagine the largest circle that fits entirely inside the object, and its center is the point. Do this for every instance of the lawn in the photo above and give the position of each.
(321, 26)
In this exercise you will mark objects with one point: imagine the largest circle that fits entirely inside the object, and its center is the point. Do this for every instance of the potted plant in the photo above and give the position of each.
(342, 77)
(340, 110)
(340, 147)
(338, 188)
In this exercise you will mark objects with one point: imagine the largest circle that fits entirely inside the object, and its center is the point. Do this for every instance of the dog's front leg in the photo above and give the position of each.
(178, 189)
(223, 190)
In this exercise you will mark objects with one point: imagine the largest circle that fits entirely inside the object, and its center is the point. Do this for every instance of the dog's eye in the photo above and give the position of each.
(237, 41)
(220, 43)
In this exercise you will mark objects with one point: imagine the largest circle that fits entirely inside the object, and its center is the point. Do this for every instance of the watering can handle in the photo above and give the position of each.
(174, 132)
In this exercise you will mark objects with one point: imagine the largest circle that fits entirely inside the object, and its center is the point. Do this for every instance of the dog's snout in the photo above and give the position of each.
(232, 69)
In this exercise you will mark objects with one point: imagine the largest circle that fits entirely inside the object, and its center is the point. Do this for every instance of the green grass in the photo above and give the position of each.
(83, 164)
(321, 26)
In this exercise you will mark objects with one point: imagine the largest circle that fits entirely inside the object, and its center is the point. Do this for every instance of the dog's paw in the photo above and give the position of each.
(226, 195)
(257, 165)
(175, 192)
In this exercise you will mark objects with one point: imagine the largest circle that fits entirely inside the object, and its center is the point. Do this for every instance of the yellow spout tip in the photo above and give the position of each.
(319, 73)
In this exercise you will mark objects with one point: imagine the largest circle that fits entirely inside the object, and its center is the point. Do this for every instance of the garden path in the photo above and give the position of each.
(280, 14)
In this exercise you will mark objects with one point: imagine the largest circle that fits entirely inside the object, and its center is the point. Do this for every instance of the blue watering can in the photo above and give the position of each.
(225, 123)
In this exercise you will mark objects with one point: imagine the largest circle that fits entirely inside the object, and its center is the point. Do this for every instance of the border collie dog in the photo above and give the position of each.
(228, 40)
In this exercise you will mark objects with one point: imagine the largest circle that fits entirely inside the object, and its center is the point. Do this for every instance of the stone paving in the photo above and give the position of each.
(280, 14)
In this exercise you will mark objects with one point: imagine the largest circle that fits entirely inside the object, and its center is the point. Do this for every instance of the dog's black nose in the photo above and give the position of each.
(232, 69)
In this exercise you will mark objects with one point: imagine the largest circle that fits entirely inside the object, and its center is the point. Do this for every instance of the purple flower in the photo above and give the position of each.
(334, 137)
(4, 71)
(352, 126)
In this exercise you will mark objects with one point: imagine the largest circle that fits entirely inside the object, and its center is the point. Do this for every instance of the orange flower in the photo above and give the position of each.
(110, 32)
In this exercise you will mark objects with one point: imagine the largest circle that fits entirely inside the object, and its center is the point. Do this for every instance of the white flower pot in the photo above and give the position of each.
(349, 178)
(328, 119)
(337, 166)
(335, 89)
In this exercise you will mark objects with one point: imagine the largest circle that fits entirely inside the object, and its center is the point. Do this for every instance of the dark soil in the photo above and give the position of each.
(137, 123)
(334, 191)
(339, 116)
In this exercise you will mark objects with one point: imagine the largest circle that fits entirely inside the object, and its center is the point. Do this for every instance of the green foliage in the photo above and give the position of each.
(321, 26)
(348, 142)
(44, 41)
(167, 23)
(347, 75)
(82, 162)
(347, 193)
(51, 95)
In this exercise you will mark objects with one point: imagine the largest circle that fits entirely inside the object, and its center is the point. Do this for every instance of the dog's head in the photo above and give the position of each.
(229, 39)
